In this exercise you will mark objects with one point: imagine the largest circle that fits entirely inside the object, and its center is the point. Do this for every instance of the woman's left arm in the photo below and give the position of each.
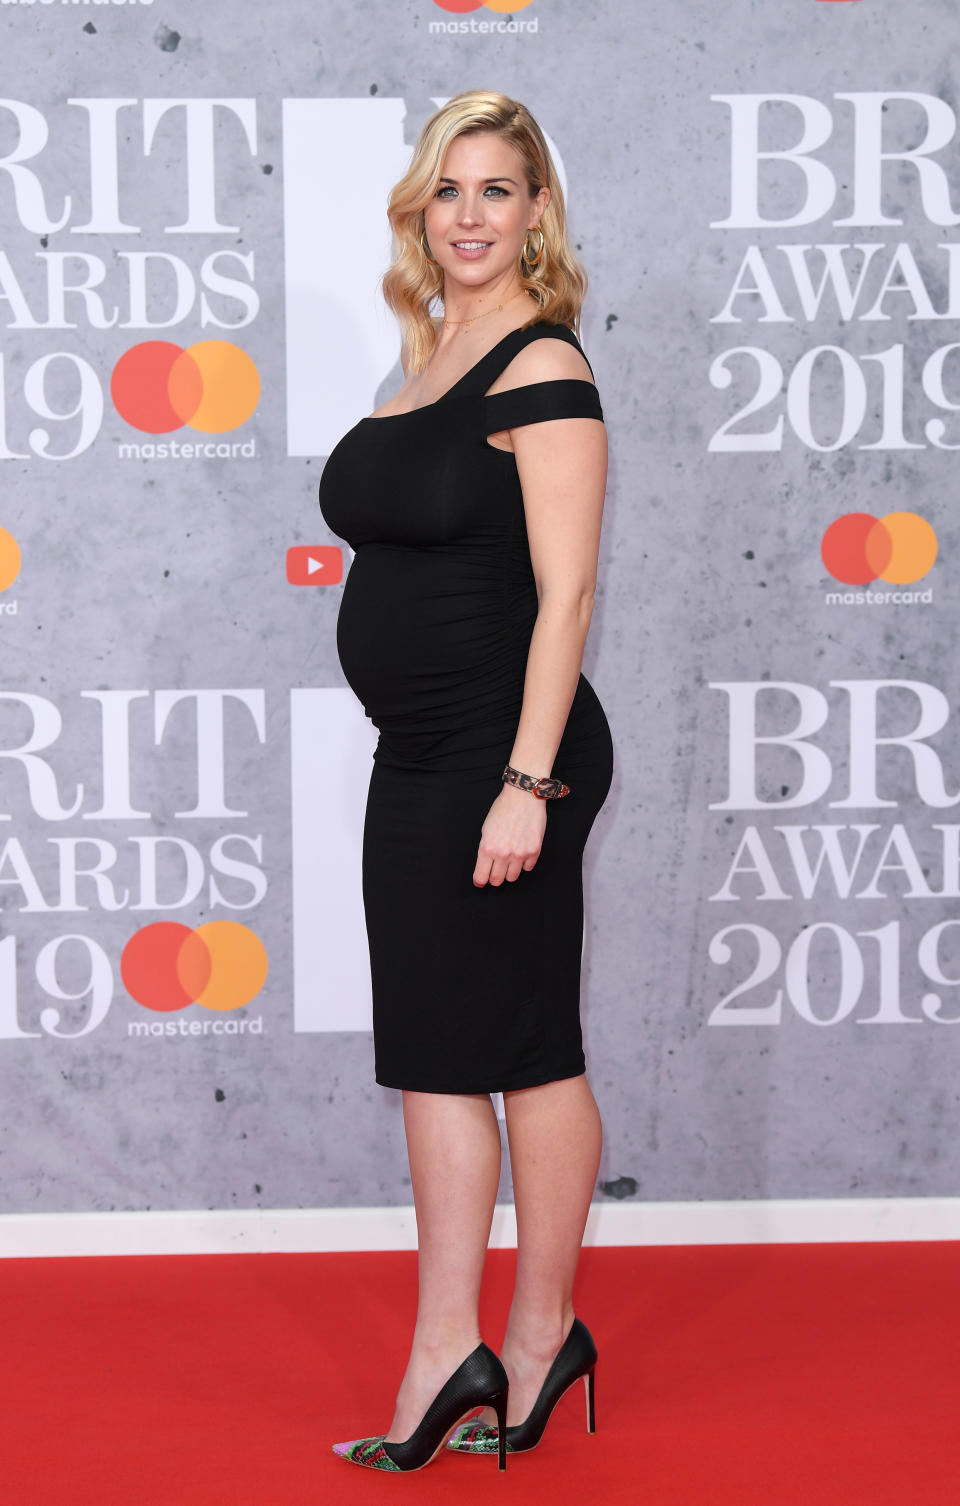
(562, 466)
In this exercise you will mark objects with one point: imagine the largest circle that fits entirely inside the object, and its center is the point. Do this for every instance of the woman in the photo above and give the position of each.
(473, 502)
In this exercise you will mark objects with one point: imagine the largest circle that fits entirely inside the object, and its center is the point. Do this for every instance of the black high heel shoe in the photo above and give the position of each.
(576, 1358)
(480, 1381)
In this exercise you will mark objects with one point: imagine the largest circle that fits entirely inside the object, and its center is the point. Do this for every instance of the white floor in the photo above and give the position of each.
(800, 1221)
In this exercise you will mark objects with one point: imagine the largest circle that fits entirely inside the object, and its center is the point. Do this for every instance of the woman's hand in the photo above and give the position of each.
(511, 838)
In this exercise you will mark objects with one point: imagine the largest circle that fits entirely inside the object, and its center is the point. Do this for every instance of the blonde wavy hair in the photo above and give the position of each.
(414, 282)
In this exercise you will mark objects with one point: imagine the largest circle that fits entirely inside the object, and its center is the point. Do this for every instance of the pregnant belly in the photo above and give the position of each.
(429, 640)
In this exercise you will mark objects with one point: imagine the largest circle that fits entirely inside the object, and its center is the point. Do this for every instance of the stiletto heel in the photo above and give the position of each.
(577, 1357)
(501, 1406)
(480, 1381)
(588, 1386)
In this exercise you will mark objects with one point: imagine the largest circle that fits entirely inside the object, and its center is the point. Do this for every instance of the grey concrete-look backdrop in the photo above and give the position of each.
(149, 573)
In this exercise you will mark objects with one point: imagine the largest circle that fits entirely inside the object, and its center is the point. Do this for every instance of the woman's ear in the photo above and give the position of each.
(538, 205)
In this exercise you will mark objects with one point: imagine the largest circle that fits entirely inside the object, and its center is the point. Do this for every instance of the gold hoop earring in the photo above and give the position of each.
(534, 261)
(423, 247)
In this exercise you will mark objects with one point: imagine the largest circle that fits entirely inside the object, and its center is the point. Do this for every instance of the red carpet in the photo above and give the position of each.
(737, 1376)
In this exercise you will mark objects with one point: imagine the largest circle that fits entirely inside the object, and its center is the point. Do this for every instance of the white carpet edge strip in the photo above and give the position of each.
(253, 1231)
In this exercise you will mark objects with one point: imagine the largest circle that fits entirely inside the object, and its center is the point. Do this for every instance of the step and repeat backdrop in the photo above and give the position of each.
(767, 200)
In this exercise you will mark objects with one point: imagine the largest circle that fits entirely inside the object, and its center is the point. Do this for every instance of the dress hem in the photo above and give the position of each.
(501, 1087)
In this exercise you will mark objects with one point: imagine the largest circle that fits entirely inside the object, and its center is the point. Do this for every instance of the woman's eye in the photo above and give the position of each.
(448, 191)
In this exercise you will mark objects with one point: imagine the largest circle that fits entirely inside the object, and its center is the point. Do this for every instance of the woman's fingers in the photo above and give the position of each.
(493, 870)
(497, 870)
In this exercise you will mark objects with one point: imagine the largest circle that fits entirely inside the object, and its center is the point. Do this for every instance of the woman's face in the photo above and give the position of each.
(478, 219)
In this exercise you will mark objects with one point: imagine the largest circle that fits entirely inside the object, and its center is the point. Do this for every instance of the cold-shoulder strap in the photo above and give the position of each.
(538, 403)
(534, 402)
(481, 376)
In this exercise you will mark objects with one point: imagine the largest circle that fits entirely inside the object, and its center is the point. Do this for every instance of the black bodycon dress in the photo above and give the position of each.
(474, 990)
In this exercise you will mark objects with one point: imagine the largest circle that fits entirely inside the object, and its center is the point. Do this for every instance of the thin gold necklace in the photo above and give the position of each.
(449, 323)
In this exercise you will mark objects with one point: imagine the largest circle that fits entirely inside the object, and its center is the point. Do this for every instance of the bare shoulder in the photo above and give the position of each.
(547, 359)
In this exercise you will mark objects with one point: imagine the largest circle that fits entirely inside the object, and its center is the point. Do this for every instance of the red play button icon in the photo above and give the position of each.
(314, 565)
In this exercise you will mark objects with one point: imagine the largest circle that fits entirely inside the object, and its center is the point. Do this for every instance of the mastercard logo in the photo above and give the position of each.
(9, 559)
(166, 966)
(502, 7)
(898, 548)
(212, 386)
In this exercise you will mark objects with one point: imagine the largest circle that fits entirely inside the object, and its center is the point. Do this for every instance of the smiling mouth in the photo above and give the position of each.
(472, 245)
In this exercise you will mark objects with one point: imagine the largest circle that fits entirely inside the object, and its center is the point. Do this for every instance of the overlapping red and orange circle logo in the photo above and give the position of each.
(502, 7)
(898, 548)
(212, 386)
(9, 559)
(166, 966)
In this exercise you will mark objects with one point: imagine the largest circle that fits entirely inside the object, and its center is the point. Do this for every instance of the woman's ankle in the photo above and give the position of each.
(441, 1342)
(539, 1334)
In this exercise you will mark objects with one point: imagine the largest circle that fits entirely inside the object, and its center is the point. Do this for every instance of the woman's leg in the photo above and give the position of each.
(453, 1141)
(555, 1139)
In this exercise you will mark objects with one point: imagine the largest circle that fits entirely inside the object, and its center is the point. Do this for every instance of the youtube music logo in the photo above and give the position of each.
(314, 565)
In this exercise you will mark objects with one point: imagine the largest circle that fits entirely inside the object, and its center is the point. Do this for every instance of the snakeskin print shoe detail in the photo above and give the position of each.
(576, 1359)
(480, 1381)
(369, 1452)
